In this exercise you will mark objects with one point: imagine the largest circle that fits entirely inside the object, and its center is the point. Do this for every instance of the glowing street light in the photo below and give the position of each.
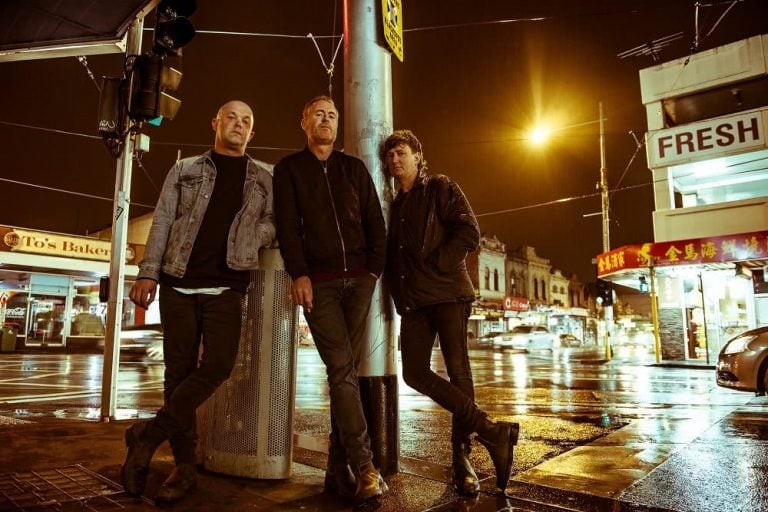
(540, 134)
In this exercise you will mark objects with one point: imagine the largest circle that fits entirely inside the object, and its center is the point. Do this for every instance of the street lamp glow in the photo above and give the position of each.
(540, 134)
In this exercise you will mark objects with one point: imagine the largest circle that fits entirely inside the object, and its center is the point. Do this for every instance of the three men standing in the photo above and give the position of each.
(213, 216)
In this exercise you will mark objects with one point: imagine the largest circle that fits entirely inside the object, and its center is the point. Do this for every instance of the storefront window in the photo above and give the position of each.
(720, 180)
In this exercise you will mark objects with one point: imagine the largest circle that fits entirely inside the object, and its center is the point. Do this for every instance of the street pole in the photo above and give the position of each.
(655, 314)
(117, 252)
(605, 209)
(368, 120)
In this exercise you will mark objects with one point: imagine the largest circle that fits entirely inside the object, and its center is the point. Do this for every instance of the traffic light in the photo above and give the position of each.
(153, 76)
(172, 28)
(604, 293)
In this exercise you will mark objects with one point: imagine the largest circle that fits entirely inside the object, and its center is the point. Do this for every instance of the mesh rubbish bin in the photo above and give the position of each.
(246, 427)
(8, 335)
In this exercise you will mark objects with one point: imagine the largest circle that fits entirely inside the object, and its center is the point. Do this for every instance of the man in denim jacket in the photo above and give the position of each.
(213, 215)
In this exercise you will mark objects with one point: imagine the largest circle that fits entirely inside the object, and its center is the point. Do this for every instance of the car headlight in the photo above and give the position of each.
(737, 345)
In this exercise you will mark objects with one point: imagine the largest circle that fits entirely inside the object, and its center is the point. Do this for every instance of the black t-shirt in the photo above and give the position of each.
(207, 266)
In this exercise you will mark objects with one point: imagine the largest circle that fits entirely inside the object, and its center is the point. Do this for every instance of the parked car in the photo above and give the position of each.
(743, 362)
(528, 337)
(143, 340)
(569, 340)
(488, 338)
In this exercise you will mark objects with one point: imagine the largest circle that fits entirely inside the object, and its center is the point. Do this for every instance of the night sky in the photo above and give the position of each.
(470, 88)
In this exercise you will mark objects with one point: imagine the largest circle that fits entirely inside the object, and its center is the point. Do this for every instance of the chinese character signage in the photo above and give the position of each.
(696, 251)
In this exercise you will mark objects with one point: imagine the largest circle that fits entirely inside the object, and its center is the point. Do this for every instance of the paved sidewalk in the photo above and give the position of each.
(712, 462)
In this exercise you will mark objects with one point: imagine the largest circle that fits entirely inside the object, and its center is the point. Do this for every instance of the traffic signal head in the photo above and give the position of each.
(172, 29)
(604, 293)
(153, 76)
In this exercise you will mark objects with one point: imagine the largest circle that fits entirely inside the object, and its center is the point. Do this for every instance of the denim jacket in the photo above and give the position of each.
(180, 209)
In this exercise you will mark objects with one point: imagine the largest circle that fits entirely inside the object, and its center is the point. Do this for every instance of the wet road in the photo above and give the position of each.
(562, 399)
(664, 436)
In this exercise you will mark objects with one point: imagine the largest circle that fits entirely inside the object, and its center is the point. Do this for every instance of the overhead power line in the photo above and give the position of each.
(71, 192)
(559, 201)
(154, 143)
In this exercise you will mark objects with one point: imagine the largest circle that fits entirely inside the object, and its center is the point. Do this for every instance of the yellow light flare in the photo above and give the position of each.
(540, 134)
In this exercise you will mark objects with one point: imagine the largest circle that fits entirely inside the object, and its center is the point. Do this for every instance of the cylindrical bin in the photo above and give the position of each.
(246, 427)
(8, 335)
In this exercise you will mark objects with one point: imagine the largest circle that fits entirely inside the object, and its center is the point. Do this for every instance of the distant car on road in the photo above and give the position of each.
(528, 337)
(143, 340)
(569, 340)
(488, 338)
(743, 362)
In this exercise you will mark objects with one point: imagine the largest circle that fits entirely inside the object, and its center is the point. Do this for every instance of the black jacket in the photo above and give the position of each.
(328, 215)
(431, 230)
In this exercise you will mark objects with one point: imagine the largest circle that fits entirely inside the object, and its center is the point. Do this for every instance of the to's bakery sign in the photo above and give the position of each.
(50, 244)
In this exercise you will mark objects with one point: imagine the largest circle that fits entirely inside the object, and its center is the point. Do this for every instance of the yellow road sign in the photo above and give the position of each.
(392, 13)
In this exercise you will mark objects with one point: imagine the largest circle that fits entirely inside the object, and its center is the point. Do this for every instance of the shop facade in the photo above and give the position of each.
(707, 151)
(708, 289)
(49, 287)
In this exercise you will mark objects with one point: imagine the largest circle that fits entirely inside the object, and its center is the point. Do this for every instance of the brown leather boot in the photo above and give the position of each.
(464, 477)
(499, 438)
(179, 483)
(142, 439)
(370, 484)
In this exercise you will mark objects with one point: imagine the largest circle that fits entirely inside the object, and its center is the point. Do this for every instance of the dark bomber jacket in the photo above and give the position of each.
(328, 215)
(431, 230)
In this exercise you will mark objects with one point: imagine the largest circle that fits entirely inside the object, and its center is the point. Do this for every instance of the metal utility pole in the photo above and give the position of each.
(368, 120)
(117, 254)
(605, 209)
(604, 186)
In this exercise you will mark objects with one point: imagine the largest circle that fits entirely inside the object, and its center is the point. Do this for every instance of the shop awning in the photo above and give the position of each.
(709, 252)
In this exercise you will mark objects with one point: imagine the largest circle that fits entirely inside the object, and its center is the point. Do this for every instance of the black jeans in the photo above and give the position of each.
(188, 321)
(417, 337)
(337, 323)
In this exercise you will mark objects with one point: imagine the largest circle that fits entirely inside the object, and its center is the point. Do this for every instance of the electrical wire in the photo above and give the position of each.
(561, 200)
(154, 143)
(71, 192)
(84, 61)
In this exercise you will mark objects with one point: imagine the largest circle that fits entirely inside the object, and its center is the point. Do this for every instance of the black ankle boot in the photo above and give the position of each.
(464, 477)
(142, 439)
(339, 478)
(370, 484)
(499, 438)
(181, 481)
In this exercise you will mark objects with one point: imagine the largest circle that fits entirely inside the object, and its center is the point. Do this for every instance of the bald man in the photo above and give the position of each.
(213, 215)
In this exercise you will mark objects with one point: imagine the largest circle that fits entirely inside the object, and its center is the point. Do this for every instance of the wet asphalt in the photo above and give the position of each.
(596, 435)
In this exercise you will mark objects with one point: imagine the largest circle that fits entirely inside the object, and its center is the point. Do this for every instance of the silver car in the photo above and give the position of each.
(528, 337)
(743, 362)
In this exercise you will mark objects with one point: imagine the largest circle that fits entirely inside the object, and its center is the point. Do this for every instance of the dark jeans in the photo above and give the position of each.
(188, 321)
(337, 323)
(417, 337)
